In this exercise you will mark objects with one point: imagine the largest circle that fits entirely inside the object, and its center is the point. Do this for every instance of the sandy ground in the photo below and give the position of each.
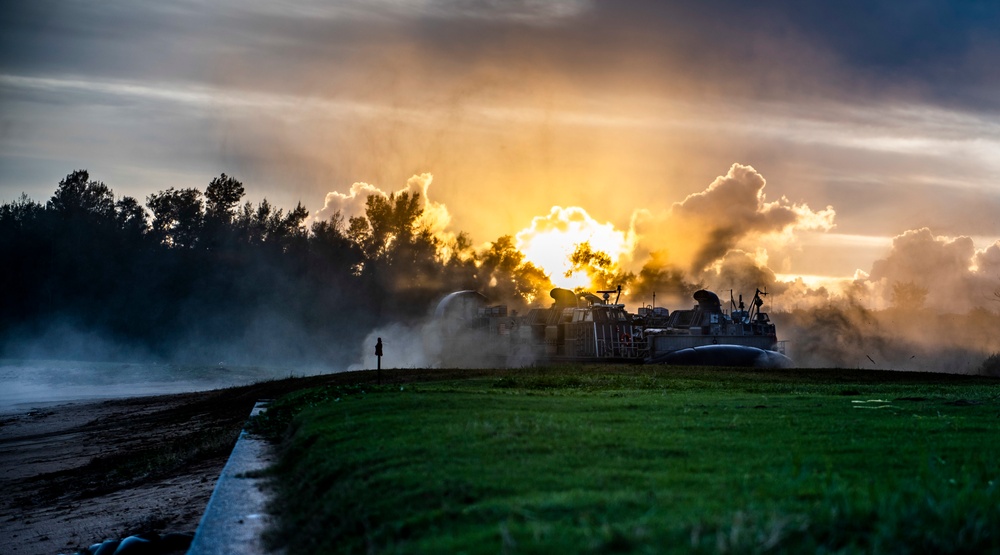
(77, 474)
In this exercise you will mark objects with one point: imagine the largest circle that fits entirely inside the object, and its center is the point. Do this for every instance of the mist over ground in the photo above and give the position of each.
(241, 291)
(29, 384)
(846, 336)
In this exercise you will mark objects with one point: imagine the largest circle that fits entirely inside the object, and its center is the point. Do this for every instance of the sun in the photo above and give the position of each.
(550, 241)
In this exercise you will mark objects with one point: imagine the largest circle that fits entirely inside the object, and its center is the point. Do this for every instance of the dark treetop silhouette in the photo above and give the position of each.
(200, 276)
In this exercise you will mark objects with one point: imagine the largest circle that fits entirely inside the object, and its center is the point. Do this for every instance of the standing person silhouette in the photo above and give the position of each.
(378, 353)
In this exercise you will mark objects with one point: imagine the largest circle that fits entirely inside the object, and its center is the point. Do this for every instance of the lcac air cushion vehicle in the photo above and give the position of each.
(587, 328)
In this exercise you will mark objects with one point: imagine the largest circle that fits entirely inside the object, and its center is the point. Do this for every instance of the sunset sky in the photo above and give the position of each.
(816, 139)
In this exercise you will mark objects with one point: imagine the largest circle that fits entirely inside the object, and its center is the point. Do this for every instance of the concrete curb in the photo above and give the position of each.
(236, 516)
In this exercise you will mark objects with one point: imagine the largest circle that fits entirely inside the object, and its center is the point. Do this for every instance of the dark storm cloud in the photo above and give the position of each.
(88, 38)
(932, 42)
(945, 50)
(191, 40)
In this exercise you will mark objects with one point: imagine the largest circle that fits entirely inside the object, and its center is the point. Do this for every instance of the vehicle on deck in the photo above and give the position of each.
(587, 328)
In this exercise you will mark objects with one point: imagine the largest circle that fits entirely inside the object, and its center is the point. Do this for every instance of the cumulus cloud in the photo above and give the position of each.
(987, 261)
(435, 217)
(723, 237)
(349, 204)
(741, 271)
(919, 254)
(956, 276)
(705, 226)
(925, 306)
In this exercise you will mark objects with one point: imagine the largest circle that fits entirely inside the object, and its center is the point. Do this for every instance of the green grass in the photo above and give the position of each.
(641, 460)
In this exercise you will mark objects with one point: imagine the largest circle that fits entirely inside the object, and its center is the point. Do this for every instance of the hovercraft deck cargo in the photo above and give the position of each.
(587, 328)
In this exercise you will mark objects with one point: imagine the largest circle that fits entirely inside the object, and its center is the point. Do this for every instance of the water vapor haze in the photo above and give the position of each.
(38, 382)
(726, 237)
(715, 221)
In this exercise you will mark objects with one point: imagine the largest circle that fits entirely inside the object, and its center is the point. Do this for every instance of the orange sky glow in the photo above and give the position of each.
(737, 146)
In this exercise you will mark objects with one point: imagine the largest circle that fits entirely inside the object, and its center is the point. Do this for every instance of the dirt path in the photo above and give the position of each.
(73, 475)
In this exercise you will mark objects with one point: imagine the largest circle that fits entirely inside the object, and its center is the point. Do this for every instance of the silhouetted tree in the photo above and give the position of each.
(267, 224)
(131, 216)
(391, 223)
(457, 260)
(289, 230)
(400, 256)
(332, 246)
(222, 196)
(19, 214)
(177, 216)
(77, 195)
(360, 233)
(199, 270)
(337, 294)
(25, 252)
(504, 274)
(599, 268)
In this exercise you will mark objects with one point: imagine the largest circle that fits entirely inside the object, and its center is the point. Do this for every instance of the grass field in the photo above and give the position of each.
(641, 459)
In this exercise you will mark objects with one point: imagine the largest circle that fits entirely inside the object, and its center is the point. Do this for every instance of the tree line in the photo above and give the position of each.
(200, 274)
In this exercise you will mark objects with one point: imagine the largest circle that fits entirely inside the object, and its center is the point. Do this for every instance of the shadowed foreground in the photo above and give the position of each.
(76, 474)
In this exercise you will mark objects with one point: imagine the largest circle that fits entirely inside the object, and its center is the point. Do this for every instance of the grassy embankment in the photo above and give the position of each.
(642, 459)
